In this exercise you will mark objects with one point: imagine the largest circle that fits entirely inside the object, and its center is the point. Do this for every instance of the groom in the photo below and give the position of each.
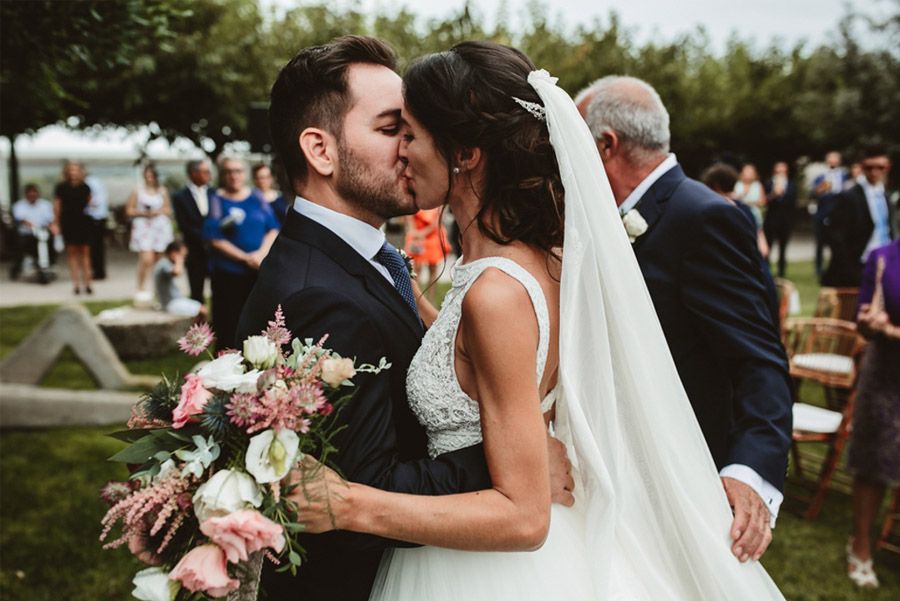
(335, 122)
(703, 273)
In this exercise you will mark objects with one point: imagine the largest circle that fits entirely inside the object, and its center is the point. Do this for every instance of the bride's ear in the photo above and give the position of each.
(320, 149)
(468, 159)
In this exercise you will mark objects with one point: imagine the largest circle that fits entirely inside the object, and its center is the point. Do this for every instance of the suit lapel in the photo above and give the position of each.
(305, 230)
(652, 203)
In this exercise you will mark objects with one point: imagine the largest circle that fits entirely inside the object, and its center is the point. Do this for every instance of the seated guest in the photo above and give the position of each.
(33, 217)
(874, 456)
(168, 294)
(859, 222)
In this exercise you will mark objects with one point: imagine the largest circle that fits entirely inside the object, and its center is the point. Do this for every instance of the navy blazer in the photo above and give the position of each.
(848, 229)
(702, 269)
(326, 287)
(189, 219)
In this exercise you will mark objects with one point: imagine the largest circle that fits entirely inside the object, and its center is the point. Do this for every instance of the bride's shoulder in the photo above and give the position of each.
(496, 297)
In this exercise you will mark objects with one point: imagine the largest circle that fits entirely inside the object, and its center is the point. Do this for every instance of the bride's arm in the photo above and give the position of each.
(499, 334)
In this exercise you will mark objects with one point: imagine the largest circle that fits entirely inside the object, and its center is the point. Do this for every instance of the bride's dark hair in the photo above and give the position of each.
(464, 98)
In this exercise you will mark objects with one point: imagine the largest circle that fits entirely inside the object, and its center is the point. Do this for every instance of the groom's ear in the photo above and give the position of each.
(468, 159)
(320, 149)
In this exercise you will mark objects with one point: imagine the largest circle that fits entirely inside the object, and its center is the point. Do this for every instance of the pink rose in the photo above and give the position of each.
(243, 532)
(193, 399)
(203, 569)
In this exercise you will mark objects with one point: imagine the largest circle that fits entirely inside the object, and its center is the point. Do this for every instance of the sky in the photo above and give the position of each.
(763, 20)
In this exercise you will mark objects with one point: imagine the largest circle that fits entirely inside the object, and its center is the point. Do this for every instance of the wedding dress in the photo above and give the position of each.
(651, 521)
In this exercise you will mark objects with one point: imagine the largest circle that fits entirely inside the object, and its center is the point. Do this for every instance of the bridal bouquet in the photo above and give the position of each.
(214, 454)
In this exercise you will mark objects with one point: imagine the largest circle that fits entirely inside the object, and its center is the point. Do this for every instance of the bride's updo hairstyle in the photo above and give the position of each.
(464, 98)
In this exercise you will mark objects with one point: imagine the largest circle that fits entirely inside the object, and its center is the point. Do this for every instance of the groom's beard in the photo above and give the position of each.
(378, 193)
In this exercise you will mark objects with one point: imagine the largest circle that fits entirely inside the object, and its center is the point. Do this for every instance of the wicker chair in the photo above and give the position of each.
(889, 539)
(837, 303)
(823, 351)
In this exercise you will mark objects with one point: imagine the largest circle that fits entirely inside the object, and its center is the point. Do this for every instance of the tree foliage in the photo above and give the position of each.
(192, 67)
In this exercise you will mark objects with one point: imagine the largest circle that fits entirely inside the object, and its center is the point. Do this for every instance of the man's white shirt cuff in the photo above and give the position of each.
(770, 495)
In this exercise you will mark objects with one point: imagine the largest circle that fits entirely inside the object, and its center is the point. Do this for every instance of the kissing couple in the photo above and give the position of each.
(453, 488)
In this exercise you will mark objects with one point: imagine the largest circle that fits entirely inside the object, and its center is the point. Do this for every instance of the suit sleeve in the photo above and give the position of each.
(367, 447)
(723, 288)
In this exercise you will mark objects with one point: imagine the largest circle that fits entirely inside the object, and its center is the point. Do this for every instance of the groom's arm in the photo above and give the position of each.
(368, 445)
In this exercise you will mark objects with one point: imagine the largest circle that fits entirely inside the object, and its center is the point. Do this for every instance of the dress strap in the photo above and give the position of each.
(531, 285)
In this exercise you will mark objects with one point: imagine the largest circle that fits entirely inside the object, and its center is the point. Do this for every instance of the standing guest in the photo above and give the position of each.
(169, 296)
(426, 244)
(191, 205)
(874, 454)
(702, 269)
(151, 227)
(70, 199)
(781, 201)
(856, 171)
(98, 211)
(750, 191)
(240, 228)
(265, 188)
(859, 222)
(32, 215)
(825, 188)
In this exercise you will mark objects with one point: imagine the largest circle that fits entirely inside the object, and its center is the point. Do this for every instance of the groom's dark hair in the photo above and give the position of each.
(311, 91)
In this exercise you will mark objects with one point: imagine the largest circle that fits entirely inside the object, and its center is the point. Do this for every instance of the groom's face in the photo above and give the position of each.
(370, 172)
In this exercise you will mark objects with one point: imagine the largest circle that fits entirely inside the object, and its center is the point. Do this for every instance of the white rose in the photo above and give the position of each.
(270, 456)
(634, 224)
(220, 372)
(335, 371)
(260, 351)
(226, 492)
(153, 584)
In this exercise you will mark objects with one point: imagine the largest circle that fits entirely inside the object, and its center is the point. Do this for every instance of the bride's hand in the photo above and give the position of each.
(561, 481)
(320, 496)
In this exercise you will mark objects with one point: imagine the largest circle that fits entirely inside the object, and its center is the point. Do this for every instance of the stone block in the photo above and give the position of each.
(24, 406)
(142, 333)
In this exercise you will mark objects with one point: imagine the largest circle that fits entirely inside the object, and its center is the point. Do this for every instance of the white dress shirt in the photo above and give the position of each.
(40, 214)
(98, 208)
(362, 237)
(200, 197)
(746, 474)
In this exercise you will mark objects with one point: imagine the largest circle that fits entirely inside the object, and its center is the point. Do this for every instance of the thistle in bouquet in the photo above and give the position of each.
(213, 456)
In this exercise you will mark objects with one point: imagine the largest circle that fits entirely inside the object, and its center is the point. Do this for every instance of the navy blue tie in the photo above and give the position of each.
(396, 266)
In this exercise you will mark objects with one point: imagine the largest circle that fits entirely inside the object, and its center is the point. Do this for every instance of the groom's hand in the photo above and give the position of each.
(561, 482)
(750, 530)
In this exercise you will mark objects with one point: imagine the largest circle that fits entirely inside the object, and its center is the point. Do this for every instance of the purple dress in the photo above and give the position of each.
(875, 439)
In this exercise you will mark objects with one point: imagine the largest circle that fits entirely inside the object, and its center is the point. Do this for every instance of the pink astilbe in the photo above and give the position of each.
(277, 408)
(197, 339)
(140, 421)
(160, 499)
(277, 332)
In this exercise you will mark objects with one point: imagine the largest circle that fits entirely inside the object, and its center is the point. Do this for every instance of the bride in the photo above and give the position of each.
(507, 150)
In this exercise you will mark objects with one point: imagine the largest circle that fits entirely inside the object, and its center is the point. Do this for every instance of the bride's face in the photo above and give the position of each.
(426, 169)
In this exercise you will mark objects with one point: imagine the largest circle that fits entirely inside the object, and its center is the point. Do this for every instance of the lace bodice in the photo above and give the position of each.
(450, 417)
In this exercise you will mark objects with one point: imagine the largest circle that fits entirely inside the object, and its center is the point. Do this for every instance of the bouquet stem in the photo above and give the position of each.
(249, 577)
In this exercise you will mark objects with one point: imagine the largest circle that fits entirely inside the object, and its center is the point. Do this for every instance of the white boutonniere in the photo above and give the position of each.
(634, 224)
(409, 263)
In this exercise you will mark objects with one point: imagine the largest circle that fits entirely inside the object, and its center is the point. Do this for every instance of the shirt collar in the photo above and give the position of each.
(661, 169)
(869, 188)
(195, 188)
(362, 237)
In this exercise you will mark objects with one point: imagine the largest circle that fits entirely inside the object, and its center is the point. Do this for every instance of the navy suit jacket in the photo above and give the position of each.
(848, 229)
(189, 219)
(325, 287)
(703, 272)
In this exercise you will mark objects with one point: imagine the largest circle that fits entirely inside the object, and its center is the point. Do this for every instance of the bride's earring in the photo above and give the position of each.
(456, 171)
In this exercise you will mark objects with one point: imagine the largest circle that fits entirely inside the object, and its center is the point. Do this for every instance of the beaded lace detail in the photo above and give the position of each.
(451, 418)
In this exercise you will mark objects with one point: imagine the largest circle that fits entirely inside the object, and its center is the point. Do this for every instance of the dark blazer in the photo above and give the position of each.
(325, 287)
(780, 209)
(848, 229)
(702, 269)
(189, 219)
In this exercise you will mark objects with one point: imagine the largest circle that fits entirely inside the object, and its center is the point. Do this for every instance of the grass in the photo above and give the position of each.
(51, 512)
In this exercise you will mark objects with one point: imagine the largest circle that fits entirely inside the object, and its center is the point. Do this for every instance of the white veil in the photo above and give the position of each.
(657, 519)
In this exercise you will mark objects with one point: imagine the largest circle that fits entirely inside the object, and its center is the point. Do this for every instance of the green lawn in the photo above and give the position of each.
(51, 512)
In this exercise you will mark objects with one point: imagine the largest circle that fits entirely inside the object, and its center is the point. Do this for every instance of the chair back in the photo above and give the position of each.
(837, 303)
(785, 290)
(824, 350)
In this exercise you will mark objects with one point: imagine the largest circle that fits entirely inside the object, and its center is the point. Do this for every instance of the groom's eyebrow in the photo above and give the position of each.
(395, 113)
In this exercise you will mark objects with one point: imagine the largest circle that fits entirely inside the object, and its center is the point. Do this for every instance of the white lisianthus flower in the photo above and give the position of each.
(335, 371)
(205, 452)
(634, 223)
(153, 584)
(227, 491)
(260, 352)
(270, 456)
(222, 371)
